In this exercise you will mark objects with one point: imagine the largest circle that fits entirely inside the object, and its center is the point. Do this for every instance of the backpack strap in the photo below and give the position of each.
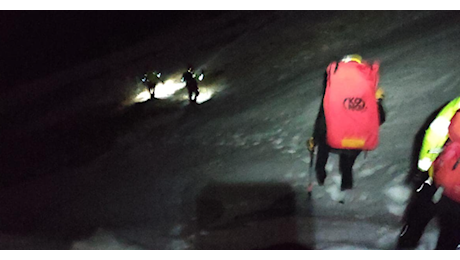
(456, 164)
(332, 65)
(331, 68)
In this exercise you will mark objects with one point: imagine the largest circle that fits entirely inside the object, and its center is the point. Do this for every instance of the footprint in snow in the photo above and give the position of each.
(398, 195)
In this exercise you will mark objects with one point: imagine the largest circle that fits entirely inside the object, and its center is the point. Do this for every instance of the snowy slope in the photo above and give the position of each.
(232, 172)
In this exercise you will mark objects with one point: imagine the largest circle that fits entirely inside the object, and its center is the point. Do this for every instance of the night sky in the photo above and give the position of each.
(38, 43)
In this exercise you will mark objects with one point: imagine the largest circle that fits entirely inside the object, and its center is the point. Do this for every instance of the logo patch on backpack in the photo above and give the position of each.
(354, 104)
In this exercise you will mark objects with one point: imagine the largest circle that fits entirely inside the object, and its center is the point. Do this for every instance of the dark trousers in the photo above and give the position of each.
(191, 90)
(346, 162)
(150, 87)
(449, 224)
(419, 213)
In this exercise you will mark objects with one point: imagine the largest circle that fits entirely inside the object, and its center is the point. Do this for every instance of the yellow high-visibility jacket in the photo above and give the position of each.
(436, 135)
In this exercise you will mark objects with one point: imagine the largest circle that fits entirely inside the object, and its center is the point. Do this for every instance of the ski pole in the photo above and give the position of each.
(310, 173)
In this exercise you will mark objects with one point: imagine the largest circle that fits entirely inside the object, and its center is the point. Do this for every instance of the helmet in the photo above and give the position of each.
(352, 57)
(454, 128)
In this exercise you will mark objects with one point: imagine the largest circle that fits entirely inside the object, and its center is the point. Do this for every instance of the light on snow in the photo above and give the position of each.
(167, 89)
(142, 97)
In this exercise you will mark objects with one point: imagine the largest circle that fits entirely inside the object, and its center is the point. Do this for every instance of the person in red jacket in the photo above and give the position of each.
(446, 175)
(320, 133)
(441, 200)
(428, 174)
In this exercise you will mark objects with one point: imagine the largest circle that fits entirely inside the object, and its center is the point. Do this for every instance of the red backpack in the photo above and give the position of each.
(350, 107)
(447, 165)
(447, 171)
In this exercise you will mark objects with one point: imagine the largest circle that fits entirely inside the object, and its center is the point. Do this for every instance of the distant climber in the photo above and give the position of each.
(150, 80)
(191, 84)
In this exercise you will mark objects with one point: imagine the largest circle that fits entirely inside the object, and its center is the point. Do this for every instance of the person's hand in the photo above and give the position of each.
(311, 144)
(379, 94)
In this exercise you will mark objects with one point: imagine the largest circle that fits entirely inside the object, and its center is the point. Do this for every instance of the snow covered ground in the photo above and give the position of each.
(232, 172)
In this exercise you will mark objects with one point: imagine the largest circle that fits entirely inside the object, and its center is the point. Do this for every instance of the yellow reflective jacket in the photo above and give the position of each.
(436, 135)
